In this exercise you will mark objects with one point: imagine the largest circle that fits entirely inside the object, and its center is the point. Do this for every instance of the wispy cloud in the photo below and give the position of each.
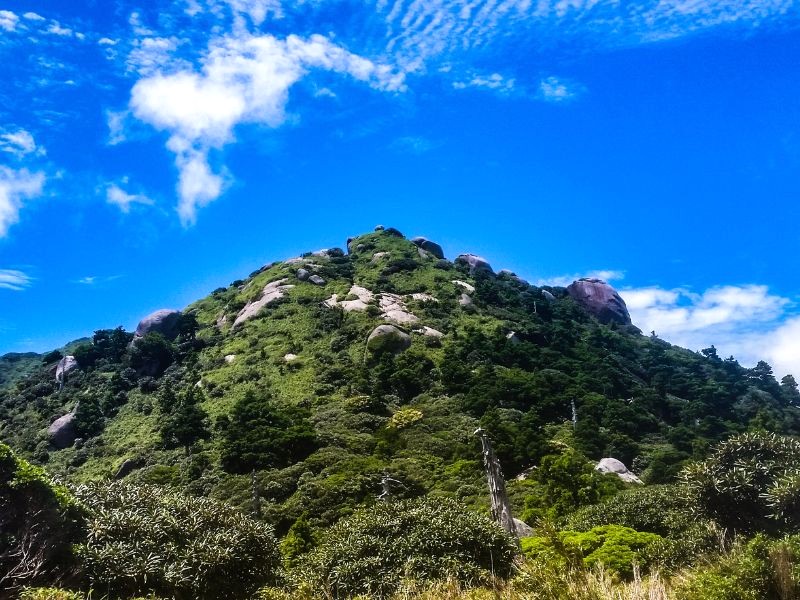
(8, 20)
(17, 281)
(16, 187)
(19, 143)
(123, 200)
(493, 81)
(414, 144)
(93, 280)
(745, 321)
(606, 275)
(242, 78)
(553, 89)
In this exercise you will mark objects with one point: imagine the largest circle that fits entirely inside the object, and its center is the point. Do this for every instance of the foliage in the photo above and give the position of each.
(148, 539)
(750, 482)
(39, 522)
(426, 539)
(184, 421)
(261, 433)
(567, 482)
(616, 547)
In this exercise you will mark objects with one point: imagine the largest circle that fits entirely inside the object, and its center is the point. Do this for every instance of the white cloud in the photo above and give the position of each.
(553, 89)
(243, 79)
(56, 29)
(16, 186)
(11, 279)
(32, 16)
(494, 81)
(747, 322)
(19, 143)
(118, 197)
(564, 280)
(8, 20)
(116, 126)
(257, 10)
(104, 41)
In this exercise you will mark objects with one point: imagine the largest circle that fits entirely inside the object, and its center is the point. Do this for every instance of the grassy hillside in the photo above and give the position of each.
(292, 404)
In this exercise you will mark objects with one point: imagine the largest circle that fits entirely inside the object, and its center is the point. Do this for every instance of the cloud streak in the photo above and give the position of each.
(16, 281)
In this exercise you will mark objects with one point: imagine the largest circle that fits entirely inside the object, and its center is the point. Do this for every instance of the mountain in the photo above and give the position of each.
(307, 382)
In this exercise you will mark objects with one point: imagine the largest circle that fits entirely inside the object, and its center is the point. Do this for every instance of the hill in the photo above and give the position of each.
(308, 381)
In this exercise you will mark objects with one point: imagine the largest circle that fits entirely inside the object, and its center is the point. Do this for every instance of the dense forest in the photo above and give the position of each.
(309, 432)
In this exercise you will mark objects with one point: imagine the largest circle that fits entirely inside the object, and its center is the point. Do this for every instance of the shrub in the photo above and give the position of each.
(615, 547)
(147, 539)
(50, 594)
(758, 570)
(39, 522)
(426, 539)
(750, 482)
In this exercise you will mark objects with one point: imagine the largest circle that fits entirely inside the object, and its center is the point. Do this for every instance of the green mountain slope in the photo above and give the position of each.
(295, 406)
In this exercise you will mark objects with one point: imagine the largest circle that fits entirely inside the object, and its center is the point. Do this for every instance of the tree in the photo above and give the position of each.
(263, 434)
(151, 354)
(789, 390)
(750, 482)
(185, 422)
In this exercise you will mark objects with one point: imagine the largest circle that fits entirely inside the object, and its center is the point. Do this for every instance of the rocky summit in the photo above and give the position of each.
(306, 391)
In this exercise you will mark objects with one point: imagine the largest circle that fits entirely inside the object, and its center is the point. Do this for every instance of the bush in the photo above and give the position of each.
(615, 547)
(751, 482)
(50, 594)
(146, 539)
(657, 509)
(426, 539)
(758, 570)
(39, 522)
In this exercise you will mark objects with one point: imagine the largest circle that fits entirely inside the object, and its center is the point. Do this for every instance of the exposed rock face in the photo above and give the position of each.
(394, 232)
(289, 357)
(328, 252)
(465, 301)
(303, 274)
(363, 298)
(388, 338)
(463, 284)
(548, 296)
(513, 337)
(600, 299)
(511, 275)
(273, 291)
(316, 280)
(378, 256)
(612, 465)
(229, 358)
(522, 528)
(429, 332)
(429, 246)
(65, 365)
(394, 309)
(475, 263)
(62, 431)
(165, 321)
(422, 297)
(127, 467)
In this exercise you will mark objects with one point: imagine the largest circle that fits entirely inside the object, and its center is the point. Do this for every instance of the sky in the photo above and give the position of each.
(153, 151)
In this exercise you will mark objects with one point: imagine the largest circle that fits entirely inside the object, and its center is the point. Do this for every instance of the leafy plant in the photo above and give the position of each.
(425, 539)
(148, 539)
(750, 482)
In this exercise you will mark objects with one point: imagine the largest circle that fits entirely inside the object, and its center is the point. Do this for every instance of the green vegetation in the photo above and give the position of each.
(287, 421)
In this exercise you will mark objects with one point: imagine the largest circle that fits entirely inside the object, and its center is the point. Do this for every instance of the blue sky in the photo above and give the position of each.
(153, 151)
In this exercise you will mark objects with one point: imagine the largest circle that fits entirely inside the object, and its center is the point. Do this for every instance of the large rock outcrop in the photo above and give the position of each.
(64, 367)
(600, 299)
(165, 321)
(275, 290)
(475, 263)
(428, 246)
(388, 338)
(612, 465)
(61, 432)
